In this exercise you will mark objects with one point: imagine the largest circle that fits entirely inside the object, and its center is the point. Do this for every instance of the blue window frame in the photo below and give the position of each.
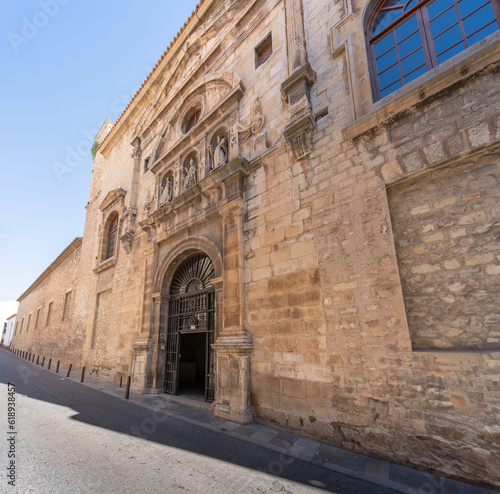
(406, 38)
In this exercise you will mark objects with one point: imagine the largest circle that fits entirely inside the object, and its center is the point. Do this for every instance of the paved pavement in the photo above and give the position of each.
(75, 437)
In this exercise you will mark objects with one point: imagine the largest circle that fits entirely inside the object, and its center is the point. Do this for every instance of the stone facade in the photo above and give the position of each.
(353, 245)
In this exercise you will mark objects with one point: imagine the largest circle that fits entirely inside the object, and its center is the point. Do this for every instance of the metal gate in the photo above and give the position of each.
(191, 310)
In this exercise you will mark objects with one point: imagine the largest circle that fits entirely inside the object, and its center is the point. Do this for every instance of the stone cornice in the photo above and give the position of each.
(236, 168)
(159, 71)
(111, 197)
(72, 247)
(105, 265)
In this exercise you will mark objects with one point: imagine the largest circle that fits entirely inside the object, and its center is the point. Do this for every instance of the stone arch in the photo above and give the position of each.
(181, 251)
(229, 79)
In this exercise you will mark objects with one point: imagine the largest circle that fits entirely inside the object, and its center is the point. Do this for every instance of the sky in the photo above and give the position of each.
(66, 65)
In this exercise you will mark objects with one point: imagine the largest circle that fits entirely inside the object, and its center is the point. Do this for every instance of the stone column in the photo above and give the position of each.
(159, 335)
(146, 346)
(295, 89)
(131, 212)
(143, 352)
(233, 345)
(295, 35)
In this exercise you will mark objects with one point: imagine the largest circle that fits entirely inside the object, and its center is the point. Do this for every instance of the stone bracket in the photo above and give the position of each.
(298, 134)
(301, 79)
(295, 91)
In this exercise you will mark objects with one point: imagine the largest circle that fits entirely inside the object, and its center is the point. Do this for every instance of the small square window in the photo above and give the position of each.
(263, 51)
(146, 164)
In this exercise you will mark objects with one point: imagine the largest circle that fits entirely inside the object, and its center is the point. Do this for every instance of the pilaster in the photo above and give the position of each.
(233, 345)
(295, 89)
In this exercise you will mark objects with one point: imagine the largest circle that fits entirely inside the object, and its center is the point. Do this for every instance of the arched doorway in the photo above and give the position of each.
(190, 363)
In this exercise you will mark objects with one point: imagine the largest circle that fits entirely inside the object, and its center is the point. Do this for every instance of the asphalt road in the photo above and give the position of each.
(70, 438)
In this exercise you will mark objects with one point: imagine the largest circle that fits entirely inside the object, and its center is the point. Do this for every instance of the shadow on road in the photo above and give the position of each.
(99, 409)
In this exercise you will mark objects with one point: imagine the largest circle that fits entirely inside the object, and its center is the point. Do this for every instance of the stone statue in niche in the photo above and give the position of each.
(190, 179)
(219, 154)
(167, 192)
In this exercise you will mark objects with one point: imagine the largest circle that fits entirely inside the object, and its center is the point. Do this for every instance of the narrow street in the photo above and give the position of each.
(75, 439)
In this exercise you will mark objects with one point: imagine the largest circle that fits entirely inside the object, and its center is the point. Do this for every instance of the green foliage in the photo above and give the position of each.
(93, 149)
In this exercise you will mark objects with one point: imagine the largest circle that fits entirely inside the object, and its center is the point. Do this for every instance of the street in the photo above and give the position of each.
(72, 438)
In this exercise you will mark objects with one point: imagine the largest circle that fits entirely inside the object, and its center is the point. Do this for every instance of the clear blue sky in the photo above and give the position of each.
(61, 74)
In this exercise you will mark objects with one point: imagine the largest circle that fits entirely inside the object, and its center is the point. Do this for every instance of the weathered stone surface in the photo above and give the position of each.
(450, 301)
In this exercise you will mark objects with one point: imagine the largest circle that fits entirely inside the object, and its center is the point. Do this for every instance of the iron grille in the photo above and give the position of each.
(192, 309)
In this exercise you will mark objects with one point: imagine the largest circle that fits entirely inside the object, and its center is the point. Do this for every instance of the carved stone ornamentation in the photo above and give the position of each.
(150, 201)
(295, 91)
(137, 152)
(126, 240)
(256, 123)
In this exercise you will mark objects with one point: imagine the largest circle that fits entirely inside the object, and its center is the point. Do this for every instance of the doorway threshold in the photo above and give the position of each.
(189, 399)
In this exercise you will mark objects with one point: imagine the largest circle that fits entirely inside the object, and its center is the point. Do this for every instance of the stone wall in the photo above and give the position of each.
(51, 335)
(446, 226)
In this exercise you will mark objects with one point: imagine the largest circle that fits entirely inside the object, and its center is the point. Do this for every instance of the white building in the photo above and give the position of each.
(7, 337)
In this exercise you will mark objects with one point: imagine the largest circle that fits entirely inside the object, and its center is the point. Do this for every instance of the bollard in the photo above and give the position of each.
(57, 367)
(43, 361)
(37, 359)
(127, 392)
(69, 370)
(50, 362)
(83, 374)
(33, 358)
(121, 380)
(29, 357)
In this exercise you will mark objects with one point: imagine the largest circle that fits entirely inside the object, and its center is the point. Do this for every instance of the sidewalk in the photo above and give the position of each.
(198, 412)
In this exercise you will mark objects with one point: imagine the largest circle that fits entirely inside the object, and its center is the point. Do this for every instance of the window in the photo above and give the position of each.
(17, 324)
(193, 120)
(37, 317)
(67, 302)
(263, 51)
(112, 234)
(28, 325)
(146, 164)
(406, 38)
(49, 310)
(22, 322)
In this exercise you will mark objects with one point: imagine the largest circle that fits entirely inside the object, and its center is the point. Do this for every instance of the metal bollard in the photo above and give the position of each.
(50, 362)
(83, 374)
(33, 358)
(37, 359)
(57, 367)
(121, 380)
(43, 361)
(69, 370)
(127, 392)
